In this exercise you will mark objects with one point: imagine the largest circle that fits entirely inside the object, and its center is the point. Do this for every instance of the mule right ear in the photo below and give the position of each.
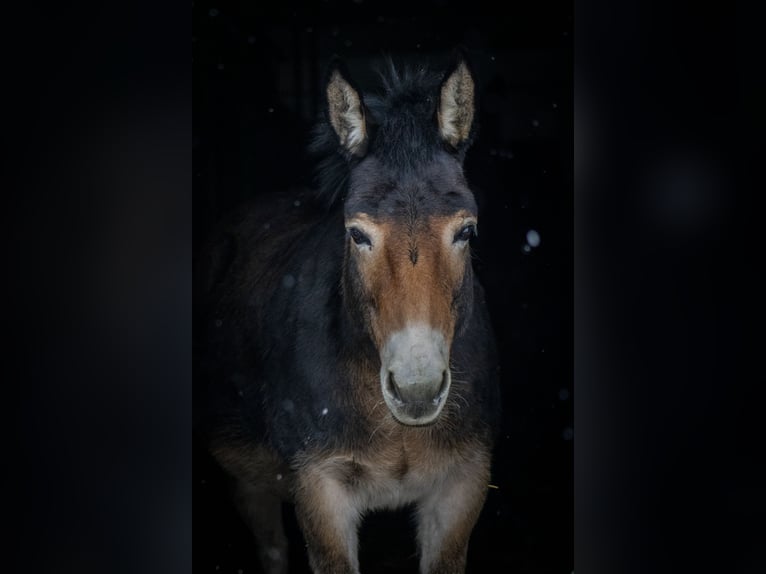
(345, 110)
(456, 103)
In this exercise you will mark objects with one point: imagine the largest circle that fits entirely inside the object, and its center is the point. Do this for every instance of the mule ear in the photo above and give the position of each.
(456, 103)
(345, 109)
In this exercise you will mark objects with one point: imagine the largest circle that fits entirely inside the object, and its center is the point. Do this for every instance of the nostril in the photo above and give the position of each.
(445, 381)
(392, 388)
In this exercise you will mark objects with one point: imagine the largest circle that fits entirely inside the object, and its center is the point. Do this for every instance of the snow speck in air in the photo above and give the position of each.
(274, 554)
(218, 322)
(324, 411)
(297, 203)
(533, 238)
(535, 124)
(502, 153)
(567, 433)
(526, 249)
(288, 281)
(271, 110)
(213, 12)
(279, 477)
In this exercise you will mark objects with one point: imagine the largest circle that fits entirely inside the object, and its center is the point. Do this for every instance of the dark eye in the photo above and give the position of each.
(466, 232)
(359, 237)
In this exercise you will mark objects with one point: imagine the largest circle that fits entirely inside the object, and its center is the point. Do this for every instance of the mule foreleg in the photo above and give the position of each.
(261, 509)
(446, 518)
(329, 522)
(258, 492)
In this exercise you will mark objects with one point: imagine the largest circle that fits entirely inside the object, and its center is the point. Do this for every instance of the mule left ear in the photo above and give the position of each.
(345, 109)
(456, 104)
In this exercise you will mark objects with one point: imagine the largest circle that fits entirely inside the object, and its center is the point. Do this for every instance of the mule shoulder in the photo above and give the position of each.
(241, 268)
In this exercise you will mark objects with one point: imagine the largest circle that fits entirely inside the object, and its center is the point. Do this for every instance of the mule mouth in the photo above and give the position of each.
(414, 412)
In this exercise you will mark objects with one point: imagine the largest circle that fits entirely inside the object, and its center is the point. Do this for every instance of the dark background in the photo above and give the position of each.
(669, 468)
(97, 192)
(257, 85)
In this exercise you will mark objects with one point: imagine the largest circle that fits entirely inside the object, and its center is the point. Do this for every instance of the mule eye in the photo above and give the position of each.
(359, 237)
(466, 233)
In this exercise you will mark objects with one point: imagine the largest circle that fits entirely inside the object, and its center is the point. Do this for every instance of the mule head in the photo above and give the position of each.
(409, 216)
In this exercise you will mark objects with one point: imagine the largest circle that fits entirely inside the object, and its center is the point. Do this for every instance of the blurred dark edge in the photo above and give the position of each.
(97, 194)
(669, 470)
(97, 185)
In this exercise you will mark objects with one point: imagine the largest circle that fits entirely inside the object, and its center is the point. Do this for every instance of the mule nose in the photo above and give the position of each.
(416, 389)
(415, 375)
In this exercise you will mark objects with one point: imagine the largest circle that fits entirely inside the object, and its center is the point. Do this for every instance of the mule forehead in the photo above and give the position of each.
(385, 193)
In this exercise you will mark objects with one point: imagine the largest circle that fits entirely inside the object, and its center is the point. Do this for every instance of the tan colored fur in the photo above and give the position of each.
(402, 466)
(412, 292)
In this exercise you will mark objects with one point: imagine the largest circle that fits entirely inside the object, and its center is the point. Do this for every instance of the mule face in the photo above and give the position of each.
(408, 262)
(409, 216)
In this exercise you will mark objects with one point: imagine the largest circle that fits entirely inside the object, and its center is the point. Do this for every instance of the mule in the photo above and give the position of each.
(350, 359)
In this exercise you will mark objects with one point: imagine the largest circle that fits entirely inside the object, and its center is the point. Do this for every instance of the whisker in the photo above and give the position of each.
(372, 434)
(462, 398)
(386, 419)
(461, 381)
(453, 369)
(374, 408)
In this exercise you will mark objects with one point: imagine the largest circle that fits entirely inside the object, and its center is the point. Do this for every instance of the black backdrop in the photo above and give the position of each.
(257, 81)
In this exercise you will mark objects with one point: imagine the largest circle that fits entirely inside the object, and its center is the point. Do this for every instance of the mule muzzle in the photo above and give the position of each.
(415, 376)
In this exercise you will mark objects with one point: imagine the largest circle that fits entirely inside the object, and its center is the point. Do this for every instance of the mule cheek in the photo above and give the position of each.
(367, 290)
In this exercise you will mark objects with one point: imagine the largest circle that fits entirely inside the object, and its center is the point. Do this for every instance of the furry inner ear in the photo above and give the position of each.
(346, 112)
(456, 105)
